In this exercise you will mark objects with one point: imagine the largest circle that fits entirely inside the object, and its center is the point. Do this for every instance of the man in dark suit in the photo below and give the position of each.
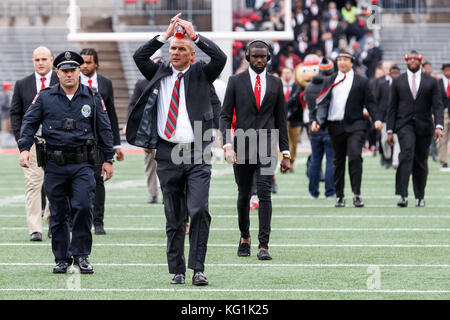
(91, 78)
(444, 84)
(258, 100)
(163, 118)
(340, 106)
(389, 155)
(414, 99)
(25, 91)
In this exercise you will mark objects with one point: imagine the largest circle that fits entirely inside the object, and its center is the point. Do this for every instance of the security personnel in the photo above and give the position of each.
(74, 125)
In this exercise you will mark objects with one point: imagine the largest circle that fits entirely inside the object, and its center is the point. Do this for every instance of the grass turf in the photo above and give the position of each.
(319, 252)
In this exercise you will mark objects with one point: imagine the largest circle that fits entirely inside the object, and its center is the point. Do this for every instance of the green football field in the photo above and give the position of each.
(319, 252)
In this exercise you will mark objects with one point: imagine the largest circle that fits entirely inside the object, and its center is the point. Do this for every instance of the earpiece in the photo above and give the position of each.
(419, 57)
(247, 53)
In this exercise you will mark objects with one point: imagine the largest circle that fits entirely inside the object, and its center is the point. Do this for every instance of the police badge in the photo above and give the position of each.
(86, 110)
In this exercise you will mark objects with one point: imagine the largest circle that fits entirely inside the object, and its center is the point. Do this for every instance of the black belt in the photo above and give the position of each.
(180, 146)
(63, 157)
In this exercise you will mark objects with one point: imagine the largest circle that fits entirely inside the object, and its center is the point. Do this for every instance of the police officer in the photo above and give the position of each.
(75, 126)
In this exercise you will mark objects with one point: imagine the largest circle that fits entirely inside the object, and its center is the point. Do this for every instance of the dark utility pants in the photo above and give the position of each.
(70, 187)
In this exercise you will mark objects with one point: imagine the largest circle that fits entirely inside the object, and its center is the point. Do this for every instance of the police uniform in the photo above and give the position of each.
(67, 127)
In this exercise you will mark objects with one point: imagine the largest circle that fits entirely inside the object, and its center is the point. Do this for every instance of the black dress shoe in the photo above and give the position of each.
(357, 202)
(403, 202)
(178, 279)
(83, 264)
(199, 279)
(99, 230)
(420, 203)
(49, 233)
(36, 236)
(340, 202)
(61, 267)
(263, 254)
(243, 249)
(153, 199)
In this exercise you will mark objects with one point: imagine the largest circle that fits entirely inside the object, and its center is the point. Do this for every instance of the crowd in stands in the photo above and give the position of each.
(321, 27)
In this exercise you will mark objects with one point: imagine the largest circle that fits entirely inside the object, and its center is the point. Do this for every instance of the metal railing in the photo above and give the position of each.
(414, 6)
(12, 8)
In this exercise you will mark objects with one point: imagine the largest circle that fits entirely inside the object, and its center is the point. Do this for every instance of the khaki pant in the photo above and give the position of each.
(294, 134)
(150, 173)
(443, 141)
(6, 125)
(388, 151)
(34, 178)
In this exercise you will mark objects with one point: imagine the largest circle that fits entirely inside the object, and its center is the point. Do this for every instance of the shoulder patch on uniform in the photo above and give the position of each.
(35, 98)
(103, 105)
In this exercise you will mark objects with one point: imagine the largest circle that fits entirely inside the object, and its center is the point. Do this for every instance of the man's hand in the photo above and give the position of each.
(230, 155)
(285, 164)
(108, 169)
(171, 28)
(390, 139)
(315, 127)
(188, 27)
(437, 134)
(378, 125)
(25, 159)
(119, 154)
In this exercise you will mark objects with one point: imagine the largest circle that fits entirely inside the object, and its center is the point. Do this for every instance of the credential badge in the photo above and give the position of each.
(86, 110)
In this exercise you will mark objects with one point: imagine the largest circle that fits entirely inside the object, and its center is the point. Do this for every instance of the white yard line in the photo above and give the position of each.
(225, 245)
(297, 265)
(238, 290)
(273, 229)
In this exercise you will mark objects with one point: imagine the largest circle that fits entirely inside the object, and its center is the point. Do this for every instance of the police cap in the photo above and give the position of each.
(68, 60)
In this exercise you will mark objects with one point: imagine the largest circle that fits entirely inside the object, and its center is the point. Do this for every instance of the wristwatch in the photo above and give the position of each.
(287, 156)
(110, 160)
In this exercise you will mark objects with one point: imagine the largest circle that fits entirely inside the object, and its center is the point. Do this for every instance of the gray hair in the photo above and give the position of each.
(192, 44)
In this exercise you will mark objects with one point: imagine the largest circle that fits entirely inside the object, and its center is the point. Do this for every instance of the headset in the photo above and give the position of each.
(347, 55)
(419, 57)
(247, 52)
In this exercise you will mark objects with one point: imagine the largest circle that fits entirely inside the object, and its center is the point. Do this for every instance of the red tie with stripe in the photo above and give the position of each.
(325, 91)
(171, 122)
(258, 92)
(43, 83)
(287, 94)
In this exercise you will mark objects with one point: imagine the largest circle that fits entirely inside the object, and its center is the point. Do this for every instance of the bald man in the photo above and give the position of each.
(25, 91)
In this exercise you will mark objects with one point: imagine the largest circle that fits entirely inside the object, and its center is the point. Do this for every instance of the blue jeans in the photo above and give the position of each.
(321, 144)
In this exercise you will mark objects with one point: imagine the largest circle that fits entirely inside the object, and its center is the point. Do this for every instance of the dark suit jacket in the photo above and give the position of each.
(294, 110)
(403, 109)
(445, 99)
(140, 87)
(381, 92)
(239, 96)
(142, 123)
(360, 97)
(24, 93)
(105, 89)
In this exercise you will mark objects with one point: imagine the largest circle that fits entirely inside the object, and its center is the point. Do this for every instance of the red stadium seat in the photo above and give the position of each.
(130, 1)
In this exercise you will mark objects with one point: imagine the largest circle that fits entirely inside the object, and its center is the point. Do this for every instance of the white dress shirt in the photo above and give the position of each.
(418, 75)
(183, 131)
(262, 78)
(38, 77)
(339, 96)
(85, 80)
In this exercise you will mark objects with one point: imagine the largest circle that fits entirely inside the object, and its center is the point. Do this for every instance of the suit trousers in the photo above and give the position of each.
(443, 141)
(150, 173)
(70, 188)
(99, 201)
(347, 144)
(34, 178)
(244, 175)
(185, 188)
(293, 134)
(412, 159)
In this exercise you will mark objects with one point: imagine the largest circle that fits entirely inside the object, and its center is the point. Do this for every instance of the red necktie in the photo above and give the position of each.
(448, 89)
(287, 94)
(325, 91)
(43, 82)
(90, 83)
(258, 92)
(171, 123)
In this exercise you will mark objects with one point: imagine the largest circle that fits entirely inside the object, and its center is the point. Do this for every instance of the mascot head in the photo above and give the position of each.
(307, 70)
